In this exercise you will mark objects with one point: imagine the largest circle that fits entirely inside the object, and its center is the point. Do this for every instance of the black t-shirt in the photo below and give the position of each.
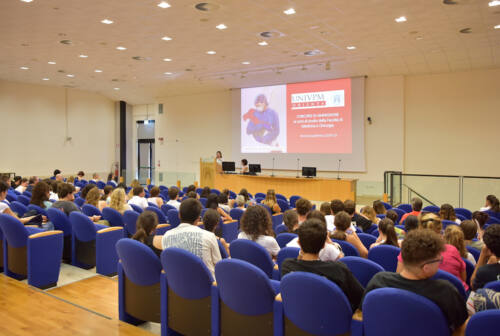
(362, 222)
(485, 274)
(149, 242)
(441, 292)
(334, 271)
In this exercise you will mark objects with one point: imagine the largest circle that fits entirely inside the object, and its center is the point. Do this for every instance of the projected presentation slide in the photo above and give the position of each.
(313, 117)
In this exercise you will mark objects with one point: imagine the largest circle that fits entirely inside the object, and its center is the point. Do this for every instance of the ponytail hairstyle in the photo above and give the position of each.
(386, 226)
(146, 225)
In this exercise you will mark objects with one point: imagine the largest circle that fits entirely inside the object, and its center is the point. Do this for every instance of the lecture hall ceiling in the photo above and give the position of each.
(428, 42)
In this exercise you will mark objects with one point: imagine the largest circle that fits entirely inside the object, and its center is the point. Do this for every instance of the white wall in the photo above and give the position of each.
(35, 123)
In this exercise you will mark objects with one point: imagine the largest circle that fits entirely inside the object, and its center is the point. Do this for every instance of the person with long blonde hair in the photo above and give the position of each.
(94, 198)
(271, 201)
(118, 202)
(369, 212)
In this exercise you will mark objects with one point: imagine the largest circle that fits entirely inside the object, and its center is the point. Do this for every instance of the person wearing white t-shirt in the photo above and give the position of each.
(4, 204)
(23, 185)
(256, 225)
(173, 194)
(190, 237)
(138, 198)
(155, 197)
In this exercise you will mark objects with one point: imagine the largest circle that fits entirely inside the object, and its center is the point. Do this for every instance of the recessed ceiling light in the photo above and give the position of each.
(211, 52)
(70, 75)
(106, 21)
(45, 79)
(26, 0)
(51, 62)
(116, 89)
(263, 43)
(419, 38)
(400, 19)
(164, 4)
(121, 48)
(167, 60)
(83, 56)
(351, 47)
(246, 62)
(221, 26)
(167, 73)
(494, 3)
(497, 26)
(166, 38)
(97, 70)
(24, 68)
(289, 11)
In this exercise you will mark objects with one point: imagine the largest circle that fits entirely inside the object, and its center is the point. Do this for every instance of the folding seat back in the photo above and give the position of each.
(443, 275)
(277, 219)
(173, 218)
(362, 269)
(253, 253)
(90, 210)
(18, 207)
(367, 239)
(236, 213)
(24, 199)
(285, 238)
(284, 206)
(161, 217)
(130, 222)
(136, 208)
(61, 222)
(139, 293)
(484, 323)
(386, 256)
(113, 217)
(294, 199)
(405, 207)
(39, 210)
(166, 207)
(347, 248)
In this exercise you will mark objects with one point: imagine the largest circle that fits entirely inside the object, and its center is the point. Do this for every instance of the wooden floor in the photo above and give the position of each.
(25, 310)
(99, 294)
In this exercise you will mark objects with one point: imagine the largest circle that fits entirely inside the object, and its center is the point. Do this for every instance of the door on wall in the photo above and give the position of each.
(145, 151)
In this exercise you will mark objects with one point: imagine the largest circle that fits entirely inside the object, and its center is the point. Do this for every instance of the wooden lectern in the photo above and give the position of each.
(208, 169)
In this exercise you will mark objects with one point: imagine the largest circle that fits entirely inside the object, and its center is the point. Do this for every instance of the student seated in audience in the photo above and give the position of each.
(361, 222)
(482, 299)
(271, 201)
(53, 185)
(447, 212)
(22, 185)
(331, 251)
(244, 166)
(469, 228)
(40, 195)
(106, 196)
(291, 220)
(245, 194)
(4, 204)
(303, 206)
(416, 206)
(16, 182)
(387, 234)
(205, 192)
(480, 218)
(112, 179)
(190, 188)
(421, 255)
(343, 231)
(94, 198)
(59, 178)
(240, 202)
(491, 202)
(379, 207)
(80, 175)
(155, 196)
(191, 194)
(95, 178)
(222, 199)
(173, 194)
(256, 225)
(66, 199)
(336, 206)
(411, 223)
(488, 266)
(86, 189)
(211, 220)
(453, 235)
(370, 214)
(325, 209)
(190, 237)
(134, 183)
(393, 216)
(452, 261)
(213, 203)
(31, 183)
(312, 239)
(139, 197)
(118, 202)
(146, 228)
(56, 172)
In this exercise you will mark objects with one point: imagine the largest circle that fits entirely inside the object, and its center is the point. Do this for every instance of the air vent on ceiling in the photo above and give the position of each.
(314, 52)
(206, 7)
(271, 34)
(140, 58)
(67, 42)
(466, 31)
(61, 71)
(450, 2)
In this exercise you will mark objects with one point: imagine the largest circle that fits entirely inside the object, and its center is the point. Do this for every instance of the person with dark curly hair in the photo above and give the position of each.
(487, 267)
(256, 226)
(421, 253)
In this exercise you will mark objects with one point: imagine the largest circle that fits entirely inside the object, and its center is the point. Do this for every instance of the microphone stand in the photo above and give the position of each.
(272, 172)
(338, 170)
(298, 165)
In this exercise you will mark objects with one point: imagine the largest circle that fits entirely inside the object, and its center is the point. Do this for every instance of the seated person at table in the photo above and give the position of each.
(190, 237)
(244, 166)
(138, 198)
(421, 253)
(343, 231)
(488, 266)
(312, 238)
(361, 222)
(256, 225)
(173, 194)
(146, 228)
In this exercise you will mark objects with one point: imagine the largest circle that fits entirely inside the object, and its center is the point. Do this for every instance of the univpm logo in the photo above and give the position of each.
(324, 99)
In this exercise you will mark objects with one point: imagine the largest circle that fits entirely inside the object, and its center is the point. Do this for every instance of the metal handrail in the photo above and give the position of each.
(418, 194)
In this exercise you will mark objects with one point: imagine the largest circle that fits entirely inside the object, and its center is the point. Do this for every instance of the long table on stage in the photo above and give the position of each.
(317, 188)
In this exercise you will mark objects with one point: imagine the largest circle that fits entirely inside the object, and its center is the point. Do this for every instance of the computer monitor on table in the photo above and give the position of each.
(253, 169)
(228, 166)
(309, 171)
